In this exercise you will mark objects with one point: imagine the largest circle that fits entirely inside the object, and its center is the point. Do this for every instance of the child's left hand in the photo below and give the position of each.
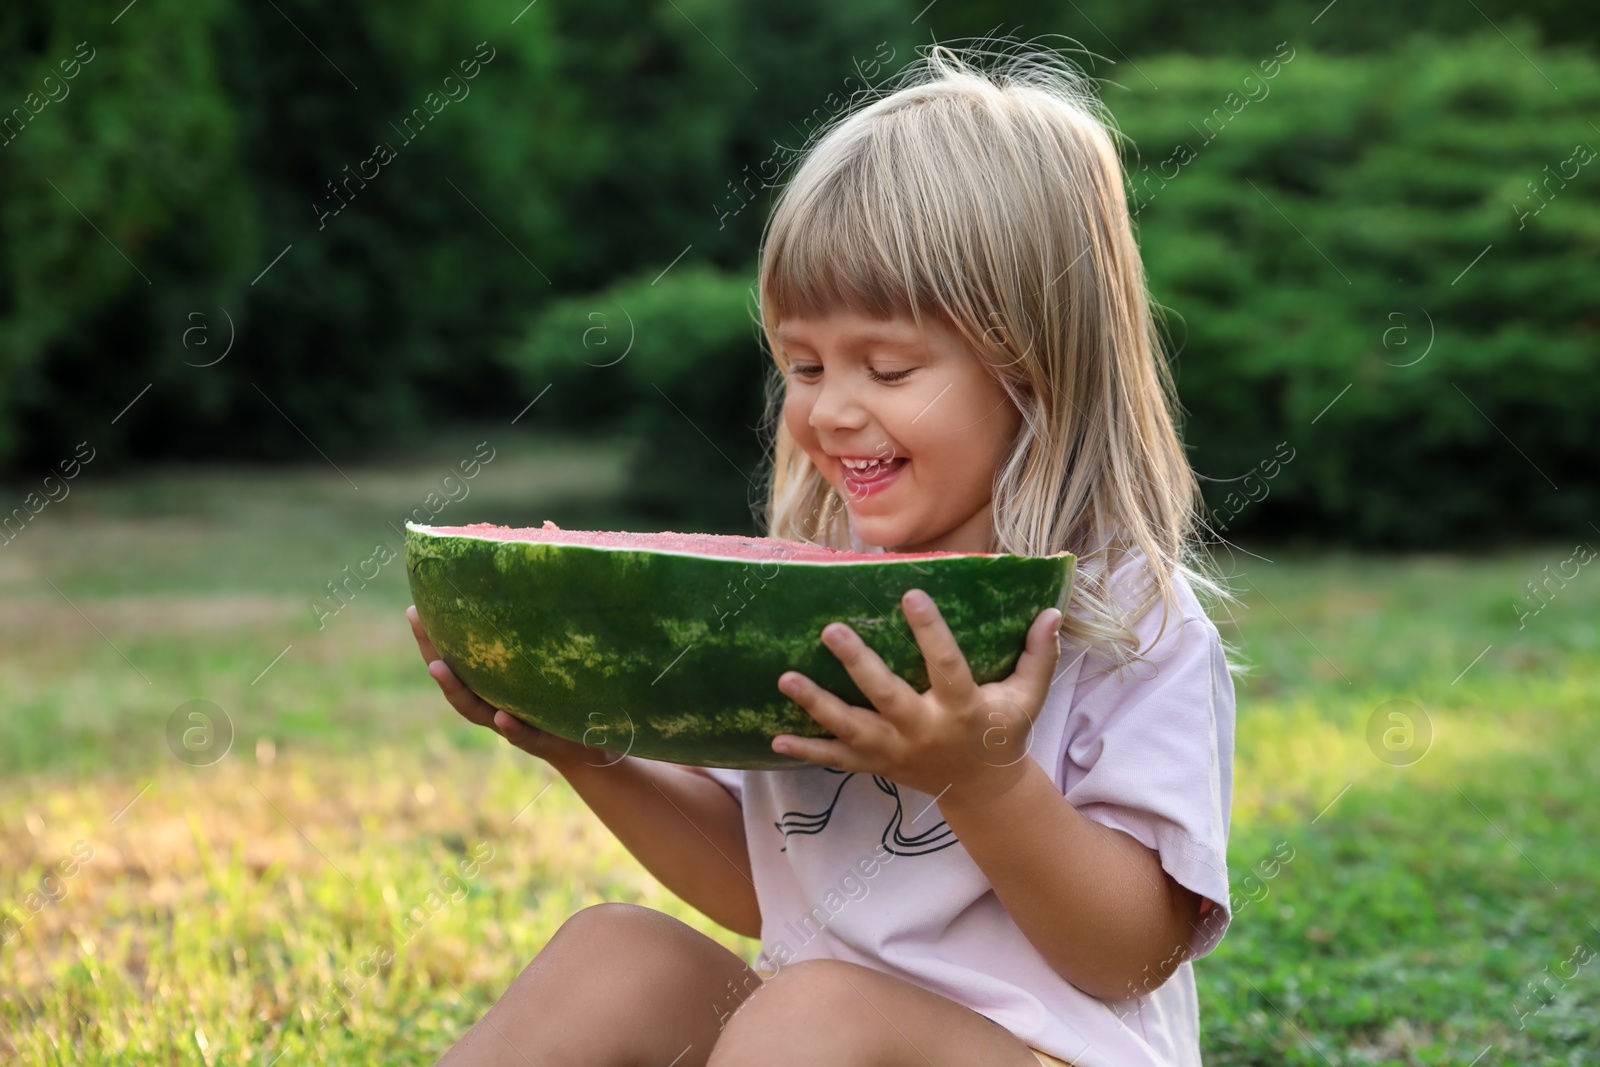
(957, 734)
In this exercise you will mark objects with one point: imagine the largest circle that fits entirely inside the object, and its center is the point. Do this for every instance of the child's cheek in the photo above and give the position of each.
(796, 418)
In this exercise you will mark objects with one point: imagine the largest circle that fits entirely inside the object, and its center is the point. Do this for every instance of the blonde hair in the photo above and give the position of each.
(994, 201)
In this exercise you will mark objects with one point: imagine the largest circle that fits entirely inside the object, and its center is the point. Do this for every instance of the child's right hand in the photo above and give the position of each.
(558, 751)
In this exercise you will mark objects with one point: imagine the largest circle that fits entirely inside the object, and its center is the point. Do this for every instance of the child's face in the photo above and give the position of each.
(943, 423)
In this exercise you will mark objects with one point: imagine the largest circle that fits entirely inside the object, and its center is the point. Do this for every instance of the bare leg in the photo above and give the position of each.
(845, 1015)
(619, 985)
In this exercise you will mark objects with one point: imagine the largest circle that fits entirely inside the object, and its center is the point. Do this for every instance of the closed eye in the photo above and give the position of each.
(807, 370)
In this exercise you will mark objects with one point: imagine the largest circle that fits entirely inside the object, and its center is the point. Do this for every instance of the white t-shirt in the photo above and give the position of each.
(856, 867)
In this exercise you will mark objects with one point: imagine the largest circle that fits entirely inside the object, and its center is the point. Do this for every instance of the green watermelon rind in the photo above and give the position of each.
(564, 636)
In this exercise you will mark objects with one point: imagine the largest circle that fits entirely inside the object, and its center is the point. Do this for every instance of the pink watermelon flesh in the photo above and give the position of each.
(698, 544)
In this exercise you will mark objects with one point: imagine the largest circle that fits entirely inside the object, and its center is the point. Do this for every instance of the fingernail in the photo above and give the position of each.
(1055, 625)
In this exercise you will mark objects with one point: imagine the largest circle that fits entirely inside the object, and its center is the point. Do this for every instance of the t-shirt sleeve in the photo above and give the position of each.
(1149, 751)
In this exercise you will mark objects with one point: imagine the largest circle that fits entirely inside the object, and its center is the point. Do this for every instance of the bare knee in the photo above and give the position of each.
(782, 1017)
(617, 932)
(806, 984)
(629, 947)
(611, 918)
(609, 911)
(617, 983)
(847, 1015)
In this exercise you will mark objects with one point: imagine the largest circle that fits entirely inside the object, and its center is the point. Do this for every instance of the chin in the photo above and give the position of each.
(874, 530)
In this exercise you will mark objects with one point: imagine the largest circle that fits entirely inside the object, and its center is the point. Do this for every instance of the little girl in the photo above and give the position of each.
(1008, 874)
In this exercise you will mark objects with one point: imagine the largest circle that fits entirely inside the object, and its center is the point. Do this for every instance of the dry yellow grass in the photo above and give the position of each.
(305, 900)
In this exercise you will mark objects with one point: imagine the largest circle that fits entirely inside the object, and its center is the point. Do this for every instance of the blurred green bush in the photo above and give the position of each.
(675, 361)
(1361, 230)
(1366, 235)
(200, 143)
(1381, 337)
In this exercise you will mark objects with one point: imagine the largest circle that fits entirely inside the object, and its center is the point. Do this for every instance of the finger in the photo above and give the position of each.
(470, 705)
(948, 672)
(552, 748)
(516, 731)
(857, 730)
(1041, 653)
(884, 689)
(820, 751)
(429, 653)
(829, 712)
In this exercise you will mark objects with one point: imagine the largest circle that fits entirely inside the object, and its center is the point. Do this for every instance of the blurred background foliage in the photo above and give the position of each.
(1399, 226)
(1377, 271)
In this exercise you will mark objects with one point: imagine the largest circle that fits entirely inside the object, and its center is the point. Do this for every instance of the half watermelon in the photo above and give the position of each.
(669, 645)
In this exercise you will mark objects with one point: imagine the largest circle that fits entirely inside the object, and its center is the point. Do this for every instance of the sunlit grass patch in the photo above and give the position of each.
(304, 896)
(341, 909)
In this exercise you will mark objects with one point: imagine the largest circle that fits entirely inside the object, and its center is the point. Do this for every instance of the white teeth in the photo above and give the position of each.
(866, 470)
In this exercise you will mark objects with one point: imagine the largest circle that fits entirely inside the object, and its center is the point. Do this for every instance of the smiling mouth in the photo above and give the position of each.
(873, 475)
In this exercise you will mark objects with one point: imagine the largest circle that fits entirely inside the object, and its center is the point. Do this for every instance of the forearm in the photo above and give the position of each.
(682, 826)
(1094, 901)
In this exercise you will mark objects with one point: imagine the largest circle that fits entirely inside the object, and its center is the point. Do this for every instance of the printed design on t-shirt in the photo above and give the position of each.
(936, 837)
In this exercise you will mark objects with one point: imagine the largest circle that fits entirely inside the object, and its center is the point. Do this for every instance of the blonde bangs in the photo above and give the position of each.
(893, 212)
(817, 268)
(995, 200)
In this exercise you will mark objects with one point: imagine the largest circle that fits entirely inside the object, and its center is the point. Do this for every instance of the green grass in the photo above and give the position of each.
(245, 911)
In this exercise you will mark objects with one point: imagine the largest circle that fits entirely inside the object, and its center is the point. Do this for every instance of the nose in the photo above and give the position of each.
(836, 407)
